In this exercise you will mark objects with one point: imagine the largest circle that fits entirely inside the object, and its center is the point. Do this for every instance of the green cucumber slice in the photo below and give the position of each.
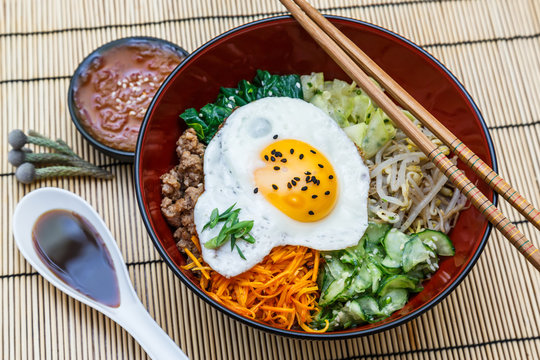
(397, 282)
(333, 291)
(362, 280)
(375, 232)
(391, 266)
(438, 241)
(394, 242)
(394, 300)
(336, 268)
(376, 275)
(349, 257)
(370, 308)
(354, 309)
(415, 252)
(358, 250)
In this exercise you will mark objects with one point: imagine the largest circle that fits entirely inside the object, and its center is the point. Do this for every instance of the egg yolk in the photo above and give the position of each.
(297, 179)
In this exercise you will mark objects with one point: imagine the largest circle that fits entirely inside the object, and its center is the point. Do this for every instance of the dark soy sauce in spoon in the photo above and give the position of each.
(74, 251)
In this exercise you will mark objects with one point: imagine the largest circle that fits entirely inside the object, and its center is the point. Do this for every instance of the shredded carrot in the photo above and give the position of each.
(195, 240)
(194, 259)
(308, 329)
(315, 266)
(281, 290)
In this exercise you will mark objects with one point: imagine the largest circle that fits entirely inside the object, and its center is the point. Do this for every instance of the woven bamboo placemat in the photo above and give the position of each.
(493, 46)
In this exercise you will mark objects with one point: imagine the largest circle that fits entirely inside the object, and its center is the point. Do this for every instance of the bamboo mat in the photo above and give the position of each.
(492, 46)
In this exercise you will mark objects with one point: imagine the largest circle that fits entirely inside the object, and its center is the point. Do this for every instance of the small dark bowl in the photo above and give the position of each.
(74, 112)
(281, 46)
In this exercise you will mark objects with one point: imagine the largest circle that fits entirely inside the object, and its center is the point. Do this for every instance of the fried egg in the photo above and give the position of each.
(290, 168)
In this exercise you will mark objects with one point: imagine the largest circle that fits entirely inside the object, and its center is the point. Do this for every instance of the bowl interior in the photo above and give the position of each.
(281, 46)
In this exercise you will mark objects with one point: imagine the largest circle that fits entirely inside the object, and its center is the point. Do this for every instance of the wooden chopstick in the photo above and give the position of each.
(456, 176)
(466, 155)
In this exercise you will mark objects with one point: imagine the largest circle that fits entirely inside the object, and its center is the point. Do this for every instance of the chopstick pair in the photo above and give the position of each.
(358, 65)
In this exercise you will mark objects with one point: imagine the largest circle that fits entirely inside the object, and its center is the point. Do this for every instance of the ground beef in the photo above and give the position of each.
(181, 187)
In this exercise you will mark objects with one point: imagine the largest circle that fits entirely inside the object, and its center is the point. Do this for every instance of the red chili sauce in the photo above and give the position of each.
(113, 93)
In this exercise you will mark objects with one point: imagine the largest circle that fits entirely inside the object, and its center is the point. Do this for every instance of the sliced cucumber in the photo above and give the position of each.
(375, 232)
(362, 280)
(333, 291)
(391, 266)
(350, 257)
(337, 268)
(376, 276)
(438, 241)
(415, 252)
(397, 282)
(417, 273)
(325, 280)
(394, 242)
(359, 250)
(350, 314)
(394, 300)
(354, 309)
(370, 308)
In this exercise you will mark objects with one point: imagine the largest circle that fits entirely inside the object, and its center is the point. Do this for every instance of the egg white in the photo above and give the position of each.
(230, 161)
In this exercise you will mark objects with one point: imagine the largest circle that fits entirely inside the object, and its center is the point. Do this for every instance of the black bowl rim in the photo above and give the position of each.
(284, 332)
(118, 154)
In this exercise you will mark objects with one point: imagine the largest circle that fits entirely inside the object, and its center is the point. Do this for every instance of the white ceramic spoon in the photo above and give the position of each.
(130, 314)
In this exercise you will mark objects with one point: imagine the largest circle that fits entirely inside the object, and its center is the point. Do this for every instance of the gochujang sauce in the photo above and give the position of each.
(74, 251)
(114, 91)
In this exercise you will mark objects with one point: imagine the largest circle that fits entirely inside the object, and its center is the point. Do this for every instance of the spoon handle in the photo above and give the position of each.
(134, 318)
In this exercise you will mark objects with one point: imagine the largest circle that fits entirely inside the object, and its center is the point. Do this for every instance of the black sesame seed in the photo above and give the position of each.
(313, 196)
(327, 193)
(308, 178)
(274, 186)
(301, 156)
(307, 173)
(293, 182)
(318, 182)
(256, 190)
(278, 154)
(292, 151)
(272, 158)
(311, 212)
(283, 160)
(289, 185)
(304, 188)
(266, 157)
(313, 151)
(276, 167)
(296, 178)
(274, 137)
(331, 177)
(320, 165)
(273, 152)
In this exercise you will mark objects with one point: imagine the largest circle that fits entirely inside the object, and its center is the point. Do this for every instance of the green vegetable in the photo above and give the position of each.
(397, 282)
(232, 229)
(437, 241)
(393, 243)
(357, 132)
(370, 281)
(206, 122)
(415, 252)
(362, 120)
(379, 132)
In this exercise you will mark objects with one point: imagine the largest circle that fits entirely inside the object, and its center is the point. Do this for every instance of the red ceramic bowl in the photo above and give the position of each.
(281, 46)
